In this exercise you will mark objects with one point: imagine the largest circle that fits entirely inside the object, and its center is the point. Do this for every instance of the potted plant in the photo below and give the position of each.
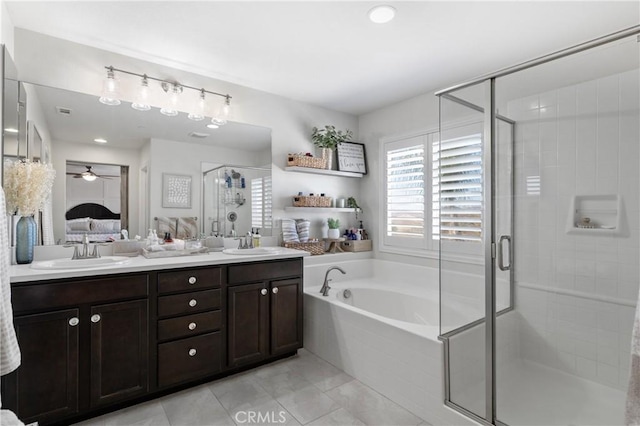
(334, 228)
(353, 204)
(327, 140)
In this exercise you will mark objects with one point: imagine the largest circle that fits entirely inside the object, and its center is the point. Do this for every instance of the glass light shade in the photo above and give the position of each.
(171, 110)
(221, 118)
(142, 98)
(110, 95)
(199, 111)
(89, 177)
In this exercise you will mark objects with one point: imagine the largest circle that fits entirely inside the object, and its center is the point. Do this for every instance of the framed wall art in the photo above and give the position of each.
(176, 191)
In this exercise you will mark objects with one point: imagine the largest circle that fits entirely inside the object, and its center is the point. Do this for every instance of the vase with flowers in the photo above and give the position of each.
(27, 185)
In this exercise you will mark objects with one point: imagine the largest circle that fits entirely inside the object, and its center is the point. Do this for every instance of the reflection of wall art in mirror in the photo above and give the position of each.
(352, 158)
(176, 191)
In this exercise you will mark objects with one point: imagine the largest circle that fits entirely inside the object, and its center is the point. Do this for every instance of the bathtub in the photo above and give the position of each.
(379, 324)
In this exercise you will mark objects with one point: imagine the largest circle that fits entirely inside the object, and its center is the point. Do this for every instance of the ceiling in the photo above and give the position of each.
(124, 127)
(329, 53)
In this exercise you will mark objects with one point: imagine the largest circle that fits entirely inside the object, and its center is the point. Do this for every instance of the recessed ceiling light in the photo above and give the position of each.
(100, 140)
(213, 126)
(382, 14)
(11, 130)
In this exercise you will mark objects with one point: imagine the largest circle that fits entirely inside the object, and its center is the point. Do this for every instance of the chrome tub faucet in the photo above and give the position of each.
(325, 286)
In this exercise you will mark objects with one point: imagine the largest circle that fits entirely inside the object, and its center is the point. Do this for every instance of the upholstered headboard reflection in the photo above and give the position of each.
(92, 210)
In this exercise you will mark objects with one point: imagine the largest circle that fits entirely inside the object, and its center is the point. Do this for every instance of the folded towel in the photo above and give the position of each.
(632, 412)
(289, 232)
(9, 350)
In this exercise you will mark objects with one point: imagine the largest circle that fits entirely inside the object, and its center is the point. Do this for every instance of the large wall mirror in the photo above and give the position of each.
(71, 130)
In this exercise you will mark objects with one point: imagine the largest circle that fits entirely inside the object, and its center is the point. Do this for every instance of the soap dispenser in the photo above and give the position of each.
(256, 238)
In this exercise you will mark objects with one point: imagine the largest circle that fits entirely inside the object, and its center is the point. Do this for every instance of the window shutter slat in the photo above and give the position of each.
(405, 192)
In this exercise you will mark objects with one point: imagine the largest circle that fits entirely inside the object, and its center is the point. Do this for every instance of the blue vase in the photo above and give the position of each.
(26, 234)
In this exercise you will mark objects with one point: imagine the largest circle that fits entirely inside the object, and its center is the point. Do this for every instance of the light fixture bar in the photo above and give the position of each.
(172, 83)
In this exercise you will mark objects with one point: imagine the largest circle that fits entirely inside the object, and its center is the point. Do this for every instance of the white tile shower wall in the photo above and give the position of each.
(579, 140)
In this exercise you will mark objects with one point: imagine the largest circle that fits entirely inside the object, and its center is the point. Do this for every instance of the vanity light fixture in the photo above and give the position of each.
(100, 140)
(382, 14)
(142, 98)
(199, 111)
(110, 95)
(173, 89)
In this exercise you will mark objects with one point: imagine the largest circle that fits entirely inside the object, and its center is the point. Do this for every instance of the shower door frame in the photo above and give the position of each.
(489, 186)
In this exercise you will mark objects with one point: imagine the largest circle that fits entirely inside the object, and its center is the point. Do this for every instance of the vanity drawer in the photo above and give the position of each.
(189, 279)
(264, 271)
(189, 325)
(186, 303)
(190, 358)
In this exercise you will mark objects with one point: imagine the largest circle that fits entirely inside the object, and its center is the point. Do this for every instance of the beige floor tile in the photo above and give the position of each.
(279, 385)
(146, 414)
(267, 413)
(371, 407)
(239, 393)
(196, 406)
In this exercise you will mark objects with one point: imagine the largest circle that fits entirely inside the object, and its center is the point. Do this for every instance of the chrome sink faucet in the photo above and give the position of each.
(95, 254)
(325, 286)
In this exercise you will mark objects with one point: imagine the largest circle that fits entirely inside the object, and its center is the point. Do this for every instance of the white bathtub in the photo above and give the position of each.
(384, 334)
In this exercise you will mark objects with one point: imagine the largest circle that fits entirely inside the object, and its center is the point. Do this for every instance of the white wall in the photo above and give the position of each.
(67, 151)
(58, 63)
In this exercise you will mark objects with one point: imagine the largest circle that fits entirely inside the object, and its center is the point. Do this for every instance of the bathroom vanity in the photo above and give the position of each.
(93, 341)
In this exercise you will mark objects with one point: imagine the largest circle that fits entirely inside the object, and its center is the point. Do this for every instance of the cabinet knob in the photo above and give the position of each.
(275, 290)
(192, 280)
(192, 352)
(74, 321)
(95, 318)
(263, 292)
(193, 302)
(192, 326)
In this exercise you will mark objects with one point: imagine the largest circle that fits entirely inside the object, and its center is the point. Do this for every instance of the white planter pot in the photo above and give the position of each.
(334, 234)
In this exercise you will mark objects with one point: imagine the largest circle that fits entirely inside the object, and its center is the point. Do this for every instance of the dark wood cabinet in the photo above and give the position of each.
(119, 351)
(45, 386)
(264, 318)
(87, 350)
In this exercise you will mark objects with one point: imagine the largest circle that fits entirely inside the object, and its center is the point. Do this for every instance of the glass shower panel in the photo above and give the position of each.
(458, 213)
(566, 345)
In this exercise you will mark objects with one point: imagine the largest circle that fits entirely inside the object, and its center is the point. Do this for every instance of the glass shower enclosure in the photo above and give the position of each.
(539, 201)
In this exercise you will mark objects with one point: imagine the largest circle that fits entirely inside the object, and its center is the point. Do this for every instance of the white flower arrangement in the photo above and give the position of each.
(27, 185)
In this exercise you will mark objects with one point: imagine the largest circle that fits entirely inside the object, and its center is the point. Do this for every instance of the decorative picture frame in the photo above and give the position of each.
(176, 191)
(352, 157)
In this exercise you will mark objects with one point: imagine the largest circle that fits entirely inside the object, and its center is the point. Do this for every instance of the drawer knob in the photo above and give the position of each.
(192, 280)
(192, 352)
(275, 290)
(193, 302)
(263, 292)
(95, 318)
(74, 321)
(192, 326)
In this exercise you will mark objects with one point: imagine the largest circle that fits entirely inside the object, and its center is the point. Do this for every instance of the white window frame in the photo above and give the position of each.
(470, 252)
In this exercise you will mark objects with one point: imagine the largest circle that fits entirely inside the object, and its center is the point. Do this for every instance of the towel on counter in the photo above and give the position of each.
(9, 350)
(289, 231)
(632, 412)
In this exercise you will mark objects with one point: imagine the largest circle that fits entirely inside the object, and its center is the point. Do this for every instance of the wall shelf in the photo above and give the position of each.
(323, 172)
(320, 209)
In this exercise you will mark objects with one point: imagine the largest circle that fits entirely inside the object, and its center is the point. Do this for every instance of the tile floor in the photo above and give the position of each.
(301, 390)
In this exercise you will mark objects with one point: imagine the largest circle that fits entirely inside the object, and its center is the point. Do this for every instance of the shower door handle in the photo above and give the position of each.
(501, 264)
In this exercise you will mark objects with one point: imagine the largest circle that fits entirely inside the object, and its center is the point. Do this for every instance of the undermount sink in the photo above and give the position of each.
(252, 251)
(81, 263)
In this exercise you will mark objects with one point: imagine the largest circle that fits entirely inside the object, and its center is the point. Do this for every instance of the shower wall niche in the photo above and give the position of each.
(235, 200)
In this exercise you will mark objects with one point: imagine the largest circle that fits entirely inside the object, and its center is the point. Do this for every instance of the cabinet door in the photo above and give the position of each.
(119, 351)
(45, 386)
(248, 325)
(286, 316)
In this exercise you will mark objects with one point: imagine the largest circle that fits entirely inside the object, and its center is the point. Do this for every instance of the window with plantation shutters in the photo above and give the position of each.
(261, 202)
(457, 189)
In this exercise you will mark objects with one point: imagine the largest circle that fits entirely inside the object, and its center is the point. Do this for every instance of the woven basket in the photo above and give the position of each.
(315, 247)
(311, 201)
(305, 161)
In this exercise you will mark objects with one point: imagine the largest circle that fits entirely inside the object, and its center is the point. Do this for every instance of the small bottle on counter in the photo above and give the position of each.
(256, 238)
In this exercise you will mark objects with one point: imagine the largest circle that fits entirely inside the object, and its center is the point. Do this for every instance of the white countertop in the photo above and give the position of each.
(24, 273)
